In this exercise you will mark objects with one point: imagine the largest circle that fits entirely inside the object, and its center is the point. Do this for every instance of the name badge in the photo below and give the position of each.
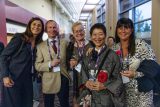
(78, 67)
(125, 79)
(92, 74)
(56, 69)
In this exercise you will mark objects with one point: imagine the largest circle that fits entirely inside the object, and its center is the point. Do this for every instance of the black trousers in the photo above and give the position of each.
(20, 95)
(156, 100)
(63, 95)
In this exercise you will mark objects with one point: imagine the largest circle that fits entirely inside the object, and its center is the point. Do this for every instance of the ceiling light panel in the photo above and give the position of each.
(82, 18)
(85, 14)
(89, 7)
(92, 1)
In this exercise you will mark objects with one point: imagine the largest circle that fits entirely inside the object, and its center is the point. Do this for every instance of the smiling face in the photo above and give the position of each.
(124, 33)
(78, 32)
(98, 37)
(36, 27)
(52, 29)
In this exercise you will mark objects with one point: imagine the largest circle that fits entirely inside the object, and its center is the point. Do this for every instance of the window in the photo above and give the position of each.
(126, 4)
(127, 14)
(139, 1)
(103, 17)
(143, 29)
(101, 11)
(140, 13)
(143, 12)
(99, 19)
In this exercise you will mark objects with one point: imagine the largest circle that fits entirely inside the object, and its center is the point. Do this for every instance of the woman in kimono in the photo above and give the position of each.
(101, 72)
(17, 65)
(133, 51)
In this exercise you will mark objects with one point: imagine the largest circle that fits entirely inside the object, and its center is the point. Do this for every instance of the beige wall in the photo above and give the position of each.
(48, 10)
(63, 21)
(155, 38)
(111, 16)
(42, 8)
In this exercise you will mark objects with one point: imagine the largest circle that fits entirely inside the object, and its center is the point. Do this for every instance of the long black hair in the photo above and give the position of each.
(28, 34)
(126, 22)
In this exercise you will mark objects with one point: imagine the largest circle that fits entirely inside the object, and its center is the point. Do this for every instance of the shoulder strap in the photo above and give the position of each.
(103, 60)
(101, 64)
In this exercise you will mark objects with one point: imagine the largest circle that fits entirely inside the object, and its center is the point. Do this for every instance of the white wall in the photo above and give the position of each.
(48, 10)
(63, 21)
(42, 8)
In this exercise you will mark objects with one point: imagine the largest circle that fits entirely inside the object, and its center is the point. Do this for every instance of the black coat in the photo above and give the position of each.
(16, 63)
(151, 78)
(16, 58)
(1, 47)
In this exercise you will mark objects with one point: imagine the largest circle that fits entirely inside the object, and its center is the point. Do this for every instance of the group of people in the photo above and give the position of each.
(109, 76)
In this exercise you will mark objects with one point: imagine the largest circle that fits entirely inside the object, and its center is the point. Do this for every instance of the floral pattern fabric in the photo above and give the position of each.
(134, 98)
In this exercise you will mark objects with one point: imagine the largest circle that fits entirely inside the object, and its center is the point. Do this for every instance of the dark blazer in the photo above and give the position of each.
(15, 58)
(151, 78)
(1, 47)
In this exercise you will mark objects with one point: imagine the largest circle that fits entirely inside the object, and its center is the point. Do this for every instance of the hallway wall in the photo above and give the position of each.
(41, 8)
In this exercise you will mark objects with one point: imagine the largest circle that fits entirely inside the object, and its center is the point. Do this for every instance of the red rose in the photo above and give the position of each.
(118, 52)
(102, 76)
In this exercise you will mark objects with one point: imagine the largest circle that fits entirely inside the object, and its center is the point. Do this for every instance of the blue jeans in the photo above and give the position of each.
(36, 90)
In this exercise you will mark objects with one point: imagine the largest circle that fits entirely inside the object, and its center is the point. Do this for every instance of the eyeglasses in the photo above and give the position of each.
(78, 31)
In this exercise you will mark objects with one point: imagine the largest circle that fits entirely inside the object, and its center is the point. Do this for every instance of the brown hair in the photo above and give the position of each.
(28, 34)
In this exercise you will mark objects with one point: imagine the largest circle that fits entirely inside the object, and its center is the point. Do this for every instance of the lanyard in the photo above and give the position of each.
(124, 61)
(80, 50)
(98, 57)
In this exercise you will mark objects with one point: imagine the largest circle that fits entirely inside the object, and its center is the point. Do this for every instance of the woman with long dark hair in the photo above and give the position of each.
(17, 65)
(133, 52)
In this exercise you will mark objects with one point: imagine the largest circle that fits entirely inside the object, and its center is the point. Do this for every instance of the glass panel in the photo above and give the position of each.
(99, 19)
(98, 11)
(125, 4)
(104, 23)
(143, 30)
(103, 8)
(103, 17)
(143, 12)
(127, 14)
(138, 1)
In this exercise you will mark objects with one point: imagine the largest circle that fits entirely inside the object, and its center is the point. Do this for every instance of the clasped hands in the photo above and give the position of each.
(95, 85)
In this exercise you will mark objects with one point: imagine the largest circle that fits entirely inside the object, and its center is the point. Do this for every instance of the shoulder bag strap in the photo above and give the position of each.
(102, 62)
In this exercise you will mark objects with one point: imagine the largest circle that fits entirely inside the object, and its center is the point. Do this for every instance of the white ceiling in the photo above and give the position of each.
(79, 9)
(74, 7)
